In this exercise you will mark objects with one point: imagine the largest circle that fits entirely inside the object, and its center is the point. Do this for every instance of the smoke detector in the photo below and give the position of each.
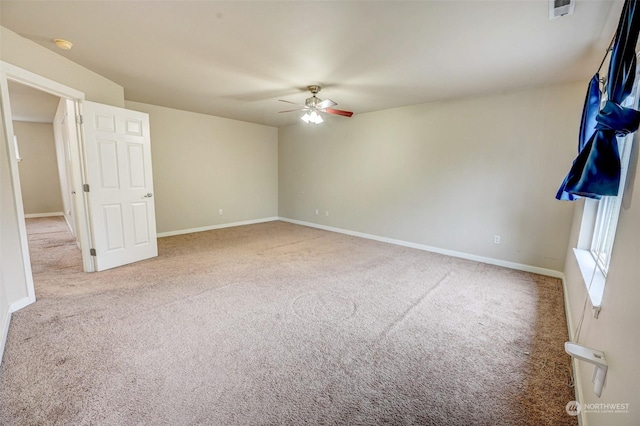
(63, 44)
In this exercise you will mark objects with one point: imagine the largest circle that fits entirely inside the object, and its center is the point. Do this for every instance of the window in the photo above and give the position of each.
(600, 220)
(606, 221)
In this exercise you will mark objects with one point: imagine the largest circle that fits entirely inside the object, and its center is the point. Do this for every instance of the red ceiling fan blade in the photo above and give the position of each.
(338, 112)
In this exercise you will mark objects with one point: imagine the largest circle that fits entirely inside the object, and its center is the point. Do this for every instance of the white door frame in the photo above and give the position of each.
(9, 72)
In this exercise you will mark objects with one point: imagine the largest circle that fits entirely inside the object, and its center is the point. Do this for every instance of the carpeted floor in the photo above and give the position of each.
(279, 324)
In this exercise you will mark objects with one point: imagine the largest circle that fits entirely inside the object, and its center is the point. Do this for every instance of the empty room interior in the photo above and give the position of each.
(309, 212)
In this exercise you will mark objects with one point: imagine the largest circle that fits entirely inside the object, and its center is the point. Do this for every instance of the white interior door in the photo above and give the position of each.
(61, 126)
(120, 197)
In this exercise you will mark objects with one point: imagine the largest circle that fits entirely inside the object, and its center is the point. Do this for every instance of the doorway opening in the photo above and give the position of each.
(106, 163)
(23, 272)
(42, 139)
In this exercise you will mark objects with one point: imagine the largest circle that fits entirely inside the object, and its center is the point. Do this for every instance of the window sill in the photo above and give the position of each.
(593, 277)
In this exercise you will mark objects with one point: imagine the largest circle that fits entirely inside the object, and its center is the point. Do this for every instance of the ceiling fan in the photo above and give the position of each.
(314, 106)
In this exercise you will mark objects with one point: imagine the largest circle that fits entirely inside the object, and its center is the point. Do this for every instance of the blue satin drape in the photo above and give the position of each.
(596, 170)
(587, 129)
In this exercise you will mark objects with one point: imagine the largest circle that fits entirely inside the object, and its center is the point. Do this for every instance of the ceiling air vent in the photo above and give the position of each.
(558, 8)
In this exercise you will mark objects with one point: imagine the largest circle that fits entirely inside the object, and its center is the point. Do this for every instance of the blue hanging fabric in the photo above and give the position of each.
(587, 128)
(596, 170)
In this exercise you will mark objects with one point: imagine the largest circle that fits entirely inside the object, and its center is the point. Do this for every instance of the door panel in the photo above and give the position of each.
(108, 163)
(136, 165)
(119, 173)
(140, 228)
(114, 228)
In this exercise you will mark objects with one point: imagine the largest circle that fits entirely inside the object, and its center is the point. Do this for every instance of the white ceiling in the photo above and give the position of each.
(236, 59)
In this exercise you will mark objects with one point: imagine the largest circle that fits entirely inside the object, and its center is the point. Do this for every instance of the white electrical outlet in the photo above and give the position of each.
(220, 212)
(317, 212)
(326, 213)
(496, 239)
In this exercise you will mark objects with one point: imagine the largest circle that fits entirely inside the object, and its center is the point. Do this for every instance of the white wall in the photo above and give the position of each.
(615, 332)
(202, 164)
(39, 179)
(450, 175)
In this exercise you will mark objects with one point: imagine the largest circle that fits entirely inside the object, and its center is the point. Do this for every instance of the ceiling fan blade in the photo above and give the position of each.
(327, 103)
(338, 112)
(292, 110)
(289, 102)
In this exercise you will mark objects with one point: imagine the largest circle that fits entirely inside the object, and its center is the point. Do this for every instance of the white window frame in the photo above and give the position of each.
(600, 220)
(606, 222)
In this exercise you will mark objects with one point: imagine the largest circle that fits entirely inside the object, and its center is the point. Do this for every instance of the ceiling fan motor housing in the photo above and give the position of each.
(314, 89)
(312, 102)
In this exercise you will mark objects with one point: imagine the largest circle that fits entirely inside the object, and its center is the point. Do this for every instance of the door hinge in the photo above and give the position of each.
(80, 119)
(85, 187)
(92, 252)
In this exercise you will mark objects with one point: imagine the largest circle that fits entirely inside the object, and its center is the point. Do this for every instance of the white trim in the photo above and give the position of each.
(66, 220)
(567, 308)
(594, 279)
(6, 71)
(482, 259)
(36, 215)
(577, 386)
(80, 204)
(5, 332)
(19, 304)
(212, 227)
(36, 81)
(11, 72)
(6, 320)
(575, 365)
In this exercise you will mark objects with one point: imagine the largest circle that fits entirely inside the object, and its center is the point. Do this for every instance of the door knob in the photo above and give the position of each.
(147, 195)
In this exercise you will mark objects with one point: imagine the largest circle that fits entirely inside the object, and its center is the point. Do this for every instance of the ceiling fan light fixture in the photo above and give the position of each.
(315, 106)
(312, 117)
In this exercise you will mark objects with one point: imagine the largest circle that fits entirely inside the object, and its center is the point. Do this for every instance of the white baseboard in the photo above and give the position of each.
(34, 215)
(19, 304)
(212, 227)
(577, 386)
(481, 259)
(567, 309)
(6, 319)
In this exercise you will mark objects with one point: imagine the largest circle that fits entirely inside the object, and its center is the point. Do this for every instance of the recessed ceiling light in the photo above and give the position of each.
(63, 44)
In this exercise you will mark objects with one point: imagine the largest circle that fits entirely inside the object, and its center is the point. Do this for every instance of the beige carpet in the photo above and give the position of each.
(278, 324)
